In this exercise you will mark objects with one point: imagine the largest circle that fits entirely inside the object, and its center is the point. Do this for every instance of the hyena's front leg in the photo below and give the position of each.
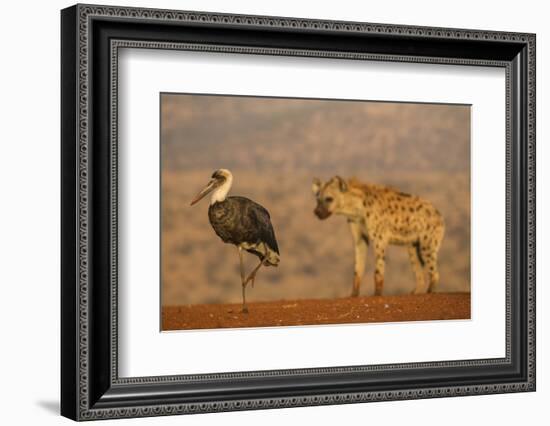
(360, 247)
(379, 252)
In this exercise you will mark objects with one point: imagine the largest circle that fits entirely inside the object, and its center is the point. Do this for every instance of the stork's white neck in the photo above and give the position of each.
(220, 193)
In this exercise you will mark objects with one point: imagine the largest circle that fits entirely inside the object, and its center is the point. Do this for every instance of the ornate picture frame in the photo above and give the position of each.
(91, 38)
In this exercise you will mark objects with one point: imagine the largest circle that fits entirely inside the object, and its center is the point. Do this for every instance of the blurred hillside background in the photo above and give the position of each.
(274, 147)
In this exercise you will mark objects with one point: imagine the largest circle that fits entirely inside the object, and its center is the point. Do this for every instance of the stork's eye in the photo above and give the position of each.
(329, 200)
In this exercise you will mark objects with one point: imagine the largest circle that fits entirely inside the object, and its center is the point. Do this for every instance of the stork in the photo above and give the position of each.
(241, 222)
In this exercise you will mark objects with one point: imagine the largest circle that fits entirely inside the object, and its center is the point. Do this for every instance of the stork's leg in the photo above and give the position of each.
(243, 281)
(252, 275)
(241, 258)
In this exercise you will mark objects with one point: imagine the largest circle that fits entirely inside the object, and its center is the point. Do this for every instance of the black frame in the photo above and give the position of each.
(91, 37)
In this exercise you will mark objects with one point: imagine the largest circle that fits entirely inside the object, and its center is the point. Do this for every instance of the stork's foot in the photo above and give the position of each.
(245, 310)
(251, 279)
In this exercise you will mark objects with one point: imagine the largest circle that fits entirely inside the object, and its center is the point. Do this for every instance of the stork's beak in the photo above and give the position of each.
(207, 189)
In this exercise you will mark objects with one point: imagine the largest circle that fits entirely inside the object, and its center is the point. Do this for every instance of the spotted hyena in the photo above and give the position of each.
(380, 215)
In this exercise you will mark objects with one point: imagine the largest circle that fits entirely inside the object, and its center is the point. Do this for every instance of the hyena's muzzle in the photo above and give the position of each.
(321, 211)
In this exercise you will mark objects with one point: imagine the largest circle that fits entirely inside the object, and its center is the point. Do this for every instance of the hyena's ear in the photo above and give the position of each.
(316, 186)
(342, 184)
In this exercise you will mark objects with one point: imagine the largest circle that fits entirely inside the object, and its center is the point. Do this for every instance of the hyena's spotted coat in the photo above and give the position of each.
(380, 216)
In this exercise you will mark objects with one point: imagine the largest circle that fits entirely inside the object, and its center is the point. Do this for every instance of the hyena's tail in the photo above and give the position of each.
(439, 231)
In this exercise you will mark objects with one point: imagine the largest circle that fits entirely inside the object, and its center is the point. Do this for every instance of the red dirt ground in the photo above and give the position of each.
(437, 306)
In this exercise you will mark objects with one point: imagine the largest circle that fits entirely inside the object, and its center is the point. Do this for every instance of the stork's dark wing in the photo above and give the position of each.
(265, 229)
(260, 222)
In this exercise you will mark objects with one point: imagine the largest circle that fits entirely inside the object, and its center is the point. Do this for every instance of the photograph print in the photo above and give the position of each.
(297, 212)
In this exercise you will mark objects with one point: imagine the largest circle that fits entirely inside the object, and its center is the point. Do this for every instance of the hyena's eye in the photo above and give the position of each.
(329, 200)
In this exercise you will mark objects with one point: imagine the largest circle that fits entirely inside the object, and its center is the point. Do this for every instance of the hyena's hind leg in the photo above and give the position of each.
(429, 253)
(433, 272)
(360, 248)
(417, 265)
(379, 252)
